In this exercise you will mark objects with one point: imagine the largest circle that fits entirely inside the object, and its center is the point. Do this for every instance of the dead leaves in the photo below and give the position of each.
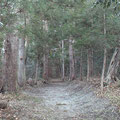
(6, 112)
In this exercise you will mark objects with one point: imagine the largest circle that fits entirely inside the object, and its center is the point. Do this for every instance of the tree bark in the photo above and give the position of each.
(22, 57)
(72, 64)
(50, 70)
(45, 66)
(26, 41)
(104, 67)
(91, 63)
(9, 66)
(63, 62)
(45, 57)
(36, 71)
(81, 67)
(105, 54)
(88, 64)
(21, 63)
(113, 67)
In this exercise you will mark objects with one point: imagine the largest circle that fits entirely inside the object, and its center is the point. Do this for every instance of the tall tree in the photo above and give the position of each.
(71, 58)
(81, 66)
(21, 63)
(63, 61)
(46, 54)
(9, 66)
(105, 55)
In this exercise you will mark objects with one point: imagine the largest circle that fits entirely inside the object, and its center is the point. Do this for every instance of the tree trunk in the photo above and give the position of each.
(36, 71)
(88, 64)
(21, 63)
(71, 57)
(63, 61)
(45, 66)
(25, 56)
(105, 55)
(9, 66)
(45, 57)
(50, 70)
(91, 63)
(26, 45)
(81, 77)
(58, 68)
(104, 67)
(113, 67)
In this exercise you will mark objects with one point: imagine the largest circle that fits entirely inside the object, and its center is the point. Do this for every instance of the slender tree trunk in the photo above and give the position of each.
(25, 58)
(37, 73)
(45, 57)
(105, 56)
(63, 61)
(113, 67)
(26, 45)
(91, 62)
(88, 64)
(72, 64)
(50, 70)
(58, 70)
(81, 77)
(103, 70)
(21, 63)
(45, 66)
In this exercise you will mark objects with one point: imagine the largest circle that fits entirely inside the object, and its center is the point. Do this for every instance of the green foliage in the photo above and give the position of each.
(65, 18)
(106, 3)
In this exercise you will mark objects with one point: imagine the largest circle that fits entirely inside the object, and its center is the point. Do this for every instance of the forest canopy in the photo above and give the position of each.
(44, 39)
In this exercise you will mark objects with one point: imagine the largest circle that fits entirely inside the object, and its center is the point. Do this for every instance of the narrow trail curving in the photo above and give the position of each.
(65, 101)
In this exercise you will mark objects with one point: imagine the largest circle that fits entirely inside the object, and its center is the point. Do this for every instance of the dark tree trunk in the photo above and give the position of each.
(45, 57)
(81, 67)
(45, 66)
(89, 64)
(50, 70)
(72, 64)
(63, 61)
(36, 70)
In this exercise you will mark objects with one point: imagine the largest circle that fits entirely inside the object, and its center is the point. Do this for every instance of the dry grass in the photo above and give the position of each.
(8, 113)
(113, 93)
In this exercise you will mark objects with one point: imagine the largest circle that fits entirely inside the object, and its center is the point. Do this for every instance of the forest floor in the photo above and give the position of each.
(62, 101)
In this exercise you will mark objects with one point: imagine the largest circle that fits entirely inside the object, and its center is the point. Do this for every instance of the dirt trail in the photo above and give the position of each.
(64, 101)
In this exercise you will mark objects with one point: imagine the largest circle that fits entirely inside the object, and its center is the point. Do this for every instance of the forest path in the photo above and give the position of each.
(65, 101)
